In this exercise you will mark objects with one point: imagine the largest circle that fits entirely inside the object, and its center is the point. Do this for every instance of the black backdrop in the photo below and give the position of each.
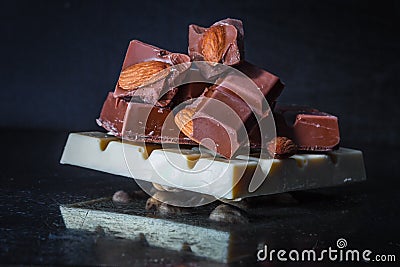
(60, 58)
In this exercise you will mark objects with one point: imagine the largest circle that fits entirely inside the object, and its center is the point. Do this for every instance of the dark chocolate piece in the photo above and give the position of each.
(221, 43)
(145, 125)
(229, 109)
(161, 89)
(309, 128)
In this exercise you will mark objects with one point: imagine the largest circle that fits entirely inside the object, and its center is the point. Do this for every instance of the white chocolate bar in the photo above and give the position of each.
(188, 169)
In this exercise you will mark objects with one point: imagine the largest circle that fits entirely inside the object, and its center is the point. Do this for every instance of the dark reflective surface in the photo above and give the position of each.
(34, 184)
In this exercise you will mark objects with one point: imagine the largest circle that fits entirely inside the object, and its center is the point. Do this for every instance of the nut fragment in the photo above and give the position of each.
(228, 214)
(153, 204)
(284, 147)
(213, 44)
(183, 119)
(121, 197)
(142, 73)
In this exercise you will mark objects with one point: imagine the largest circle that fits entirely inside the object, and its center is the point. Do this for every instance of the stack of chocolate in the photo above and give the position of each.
(167, 111)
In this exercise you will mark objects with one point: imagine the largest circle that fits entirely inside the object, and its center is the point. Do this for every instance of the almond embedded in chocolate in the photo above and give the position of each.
(183, 119)
(142, 73)
(213, 43)
(222, 42)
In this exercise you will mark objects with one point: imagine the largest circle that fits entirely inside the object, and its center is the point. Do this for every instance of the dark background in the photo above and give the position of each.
(58, 60)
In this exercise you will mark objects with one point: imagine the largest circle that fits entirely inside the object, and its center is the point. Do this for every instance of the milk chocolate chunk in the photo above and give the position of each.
(192, 87)
(309, 128)
(112, 114)
(269, 84)
(230, 109)
(222, 42)
(218, 127)
(189, 91)
(148, 74)
(148, 123)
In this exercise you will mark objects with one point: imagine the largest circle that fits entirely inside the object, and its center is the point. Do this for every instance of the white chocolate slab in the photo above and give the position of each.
(189, 170)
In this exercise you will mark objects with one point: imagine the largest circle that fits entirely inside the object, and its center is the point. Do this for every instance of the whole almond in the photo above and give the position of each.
(284, 147)
(183, 119)
(213, 44)
(142, 73)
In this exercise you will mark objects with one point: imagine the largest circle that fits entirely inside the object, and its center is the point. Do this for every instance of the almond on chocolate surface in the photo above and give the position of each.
(284, 147)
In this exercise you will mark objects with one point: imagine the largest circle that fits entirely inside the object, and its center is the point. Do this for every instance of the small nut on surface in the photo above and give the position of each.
(183, 119)
(142, 73)
(213, 44)
(284, 147)
(165, 209)
(228, 214)
(153, 204)
(121, 197)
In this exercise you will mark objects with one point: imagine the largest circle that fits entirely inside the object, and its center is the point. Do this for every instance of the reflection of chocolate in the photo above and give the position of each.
(310, 129)
(145, 122)
(162, 88)
(228, 110)
(228, 35)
